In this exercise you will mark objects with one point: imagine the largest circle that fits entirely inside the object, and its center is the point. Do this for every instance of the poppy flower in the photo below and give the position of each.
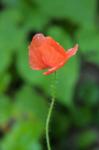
(46, 53)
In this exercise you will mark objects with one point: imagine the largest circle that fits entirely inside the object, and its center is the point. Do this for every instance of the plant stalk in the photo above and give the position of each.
(50, 112)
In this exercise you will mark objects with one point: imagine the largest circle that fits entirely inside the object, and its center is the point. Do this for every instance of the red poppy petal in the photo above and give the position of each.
(35, 55)
(45, 52)
(71, 51)
(38, 39)
(52, 58)
(69, 54)
(56, 45)
(53, 69)
(51, 54)
(35, 59)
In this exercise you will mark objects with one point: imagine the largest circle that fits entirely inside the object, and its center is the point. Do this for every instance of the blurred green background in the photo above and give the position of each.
(25, 94)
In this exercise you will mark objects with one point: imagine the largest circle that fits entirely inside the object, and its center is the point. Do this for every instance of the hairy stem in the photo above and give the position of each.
(50, 112)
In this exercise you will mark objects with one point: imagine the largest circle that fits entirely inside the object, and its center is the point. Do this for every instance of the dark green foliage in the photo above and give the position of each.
(25, 94)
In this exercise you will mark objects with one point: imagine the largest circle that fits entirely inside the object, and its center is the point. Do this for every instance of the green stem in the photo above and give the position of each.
(49, 113)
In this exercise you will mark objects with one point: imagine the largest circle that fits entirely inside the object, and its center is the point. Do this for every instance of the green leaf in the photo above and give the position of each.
(67, 78)
(88, 40)
(11, 37)
(35, 20)
(23, 136)
(82, 116)
(5, 80)
(59, 125)
(11, 16)
(5, 58)
(29, 112)
(89, 93)
(60, 36)
(89, 44)
(86, 139)
(29, 103)
(27, 14)
(10, 2)
(5, 109)
(82, 11)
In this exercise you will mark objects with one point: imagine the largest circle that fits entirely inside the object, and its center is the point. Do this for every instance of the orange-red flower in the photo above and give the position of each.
(45, 53)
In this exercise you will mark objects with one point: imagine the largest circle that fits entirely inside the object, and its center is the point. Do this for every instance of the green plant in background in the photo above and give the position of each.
(23, 91)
